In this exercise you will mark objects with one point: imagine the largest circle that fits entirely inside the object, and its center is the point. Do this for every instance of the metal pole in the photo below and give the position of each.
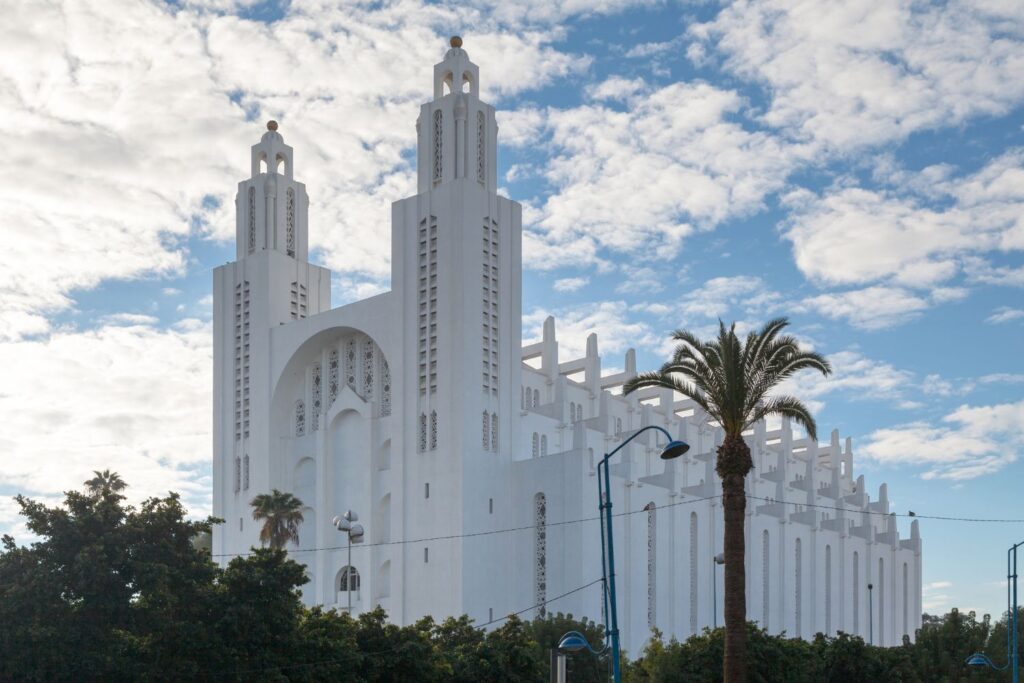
(604, 558)
(871, 618)
(348, 572)
(1013, 616)
(616, 673)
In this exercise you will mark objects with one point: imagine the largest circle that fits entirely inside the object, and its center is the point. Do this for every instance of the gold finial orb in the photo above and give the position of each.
(456, 41)
(271, 125)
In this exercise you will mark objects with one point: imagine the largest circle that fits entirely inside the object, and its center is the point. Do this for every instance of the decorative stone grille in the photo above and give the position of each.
(438, 145)
(289, 218)
(385, 388)
(300, 418)
(252, 219)
(332, 377)
(652, 565)
(540, 569)
(481, 171)
(317, 397)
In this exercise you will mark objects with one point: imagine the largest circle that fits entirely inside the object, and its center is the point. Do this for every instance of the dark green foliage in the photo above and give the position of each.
(113, 592)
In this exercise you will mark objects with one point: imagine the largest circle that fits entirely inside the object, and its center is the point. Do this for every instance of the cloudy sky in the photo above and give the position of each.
(855, 165)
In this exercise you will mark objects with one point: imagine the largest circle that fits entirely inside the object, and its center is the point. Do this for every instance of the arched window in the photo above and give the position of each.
(423, 432)
(543, 445)
(540, 569)
(494, 432)
(765, 575)
(433, 430)
(652, 565)
(536, 444)
(348, 580)
(536, 398)
(300, 418)
(828, 590)
(881, 601)
(799, 592)
(438, 145)
(487, 429)
(693, 572)
(856, 593)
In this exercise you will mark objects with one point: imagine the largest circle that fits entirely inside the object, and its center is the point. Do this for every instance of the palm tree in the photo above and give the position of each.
(282, 515)
(733, 382)
(105, 481)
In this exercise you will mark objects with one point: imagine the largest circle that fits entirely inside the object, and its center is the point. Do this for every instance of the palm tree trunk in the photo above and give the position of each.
(733, 464)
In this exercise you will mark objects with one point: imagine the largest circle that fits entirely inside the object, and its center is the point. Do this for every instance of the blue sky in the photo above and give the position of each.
(856, 166)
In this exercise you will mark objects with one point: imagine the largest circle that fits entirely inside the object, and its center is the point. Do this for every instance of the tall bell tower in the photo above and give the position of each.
(270, 283)
(456, 266)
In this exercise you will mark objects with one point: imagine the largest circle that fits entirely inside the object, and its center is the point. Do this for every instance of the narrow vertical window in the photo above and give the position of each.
(543, 445)
(423, 432)
(300, 418)
(652, 565)
(494, 432)
(433, 430)
(799, 593)
(536, 445)
(289, 219)
(332, 377)
(426, 489)
(536, 398)
(856, 593)
(426, 555)
(245, 472)
(540, 569)
(487, 429)
(906, 628)
(490, 506)
(881, 601)
(252, 219)
(828, 590)
(765, 583)
(385, 388)
(693, 572)
(438, 145)
(238, 474)
(481, 173)
(317, 398)
(618, 426)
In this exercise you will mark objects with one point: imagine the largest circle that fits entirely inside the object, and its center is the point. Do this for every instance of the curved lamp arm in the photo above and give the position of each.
(673, 449)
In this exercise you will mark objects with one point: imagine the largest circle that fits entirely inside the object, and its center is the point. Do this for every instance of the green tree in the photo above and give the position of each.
(281, 514)
(581, 667)
(733, 382)
(105, 481)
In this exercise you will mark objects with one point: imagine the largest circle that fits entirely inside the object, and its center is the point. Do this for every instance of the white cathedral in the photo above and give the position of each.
(470, 458)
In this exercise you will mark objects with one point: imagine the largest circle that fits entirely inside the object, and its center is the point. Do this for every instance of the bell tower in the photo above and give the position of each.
(270, 283)
(456, 269)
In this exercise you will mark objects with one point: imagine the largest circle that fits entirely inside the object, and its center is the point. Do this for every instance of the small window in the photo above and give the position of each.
(239, 523)
(426, 490)
(490, 505)
(426, 555)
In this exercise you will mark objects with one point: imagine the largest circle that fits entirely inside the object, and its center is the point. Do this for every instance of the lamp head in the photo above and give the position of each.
(978, 659)
(674, 449)
(573, 642)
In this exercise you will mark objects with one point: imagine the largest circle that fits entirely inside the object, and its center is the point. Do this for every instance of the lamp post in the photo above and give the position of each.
(871, 619)
(672, 450)
(346, 523)
(716, 560)
(573, 641)
(980, 659)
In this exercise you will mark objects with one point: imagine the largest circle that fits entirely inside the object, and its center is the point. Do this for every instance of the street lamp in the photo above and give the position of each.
(346, 523)
(716, 560)
(980, 659)
(672, 450)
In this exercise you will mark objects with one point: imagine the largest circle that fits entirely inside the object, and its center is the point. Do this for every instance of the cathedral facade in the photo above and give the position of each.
(470, 458)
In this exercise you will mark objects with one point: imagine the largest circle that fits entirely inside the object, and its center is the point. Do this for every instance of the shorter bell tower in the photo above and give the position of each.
(271, 283)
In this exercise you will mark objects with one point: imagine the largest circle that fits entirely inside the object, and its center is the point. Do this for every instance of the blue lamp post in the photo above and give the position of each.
(980, 659)
(672, 450)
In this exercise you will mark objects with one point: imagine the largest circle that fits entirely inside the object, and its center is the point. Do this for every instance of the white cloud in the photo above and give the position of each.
(640, 281)
(970, 442)
(849, 74)
(856, 376)
(128, 397)
(615, 88)
(871, 308)
(1005, 314)
(720, 295)
(570, 284)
